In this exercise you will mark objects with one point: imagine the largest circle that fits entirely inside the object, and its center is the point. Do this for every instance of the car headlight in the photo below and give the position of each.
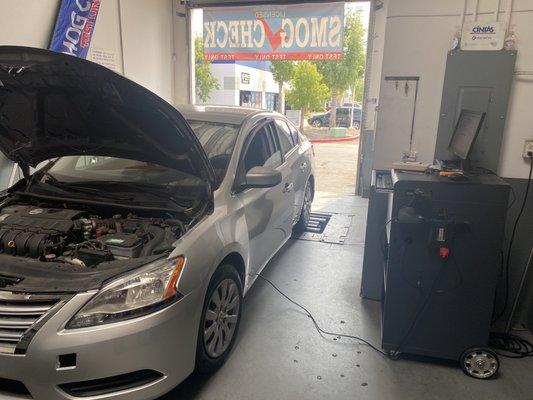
(147, 290)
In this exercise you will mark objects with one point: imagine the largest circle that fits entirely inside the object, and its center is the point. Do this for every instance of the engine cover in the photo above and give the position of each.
(29, 230)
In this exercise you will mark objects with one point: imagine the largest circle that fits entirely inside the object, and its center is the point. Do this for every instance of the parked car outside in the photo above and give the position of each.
(124, 260)
(355, 104)
(343, 118)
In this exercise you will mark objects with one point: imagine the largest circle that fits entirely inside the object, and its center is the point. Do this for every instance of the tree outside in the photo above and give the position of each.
(358, 89)
(282, 72)
(340, 75)
(308, 92)
(205, 81)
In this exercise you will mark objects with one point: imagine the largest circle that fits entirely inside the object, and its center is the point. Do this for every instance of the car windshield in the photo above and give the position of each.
(89, 169)
(218, 141)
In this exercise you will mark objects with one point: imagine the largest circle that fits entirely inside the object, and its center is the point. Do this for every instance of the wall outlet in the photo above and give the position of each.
(528, 148)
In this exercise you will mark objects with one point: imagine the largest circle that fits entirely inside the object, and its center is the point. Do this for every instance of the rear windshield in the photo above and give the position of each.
(218, 141)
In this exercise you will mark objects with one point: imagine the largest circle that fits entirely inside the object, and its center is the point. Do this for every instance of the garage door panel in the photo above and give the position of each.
(226, 3)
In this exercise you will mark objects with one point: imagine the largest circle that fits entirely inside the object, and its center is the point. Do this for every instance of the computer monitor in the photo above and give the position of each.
(465, 134)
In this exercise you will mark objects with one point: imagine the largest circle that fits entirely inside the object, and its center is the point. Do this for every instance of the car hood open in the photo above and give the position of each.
(54, 105)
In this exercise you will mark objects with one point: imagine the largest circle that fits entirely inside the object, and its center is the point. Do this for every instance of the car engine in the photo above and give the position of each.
(77, 237)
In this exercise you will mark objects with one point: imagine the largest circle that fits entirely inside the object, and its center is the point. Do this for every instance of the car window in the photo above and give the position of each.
(294, 134)
(218, 141)
(285, 137)
(276, 158)
(357, 113)
(343, 111)
(262, 151)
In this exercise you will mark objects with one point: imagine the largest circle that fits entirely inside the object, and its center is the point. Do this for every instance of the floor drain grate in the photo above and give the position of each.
(317, 222)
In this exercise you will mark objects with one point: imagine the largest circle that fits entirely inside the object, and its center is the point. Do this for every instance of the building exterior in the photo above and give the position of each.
(244, 83)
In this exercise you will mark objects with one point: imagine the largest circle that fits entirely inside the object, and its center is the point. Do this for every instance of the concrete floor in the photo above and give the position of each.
(279, 354)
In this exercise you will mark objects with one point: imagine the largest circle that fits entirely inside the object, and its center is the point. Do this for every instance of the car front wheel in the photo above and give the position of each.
(305, 213)
(220, 320)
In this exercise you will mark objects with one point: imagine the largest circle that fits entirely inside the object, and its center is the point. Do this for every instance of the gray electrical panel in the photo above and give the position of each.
(477, 81)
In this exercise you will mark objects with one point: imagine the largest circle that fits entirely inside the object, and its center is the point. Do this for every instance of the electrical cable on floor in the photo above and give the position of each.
(510, 346)
(318, 328)
(511, 241)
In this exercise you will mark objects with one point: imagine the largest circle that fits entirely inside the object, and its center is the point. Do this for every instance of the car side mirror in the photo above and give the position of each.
(262, 177)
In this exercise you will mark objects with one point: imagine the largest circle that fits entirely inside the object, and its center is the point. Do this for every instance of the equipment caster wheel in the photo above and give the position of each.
(480, 363)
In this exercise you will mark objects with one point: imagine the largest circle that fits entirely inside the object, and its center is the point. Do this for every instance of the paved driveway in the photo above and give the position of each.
(336, 166)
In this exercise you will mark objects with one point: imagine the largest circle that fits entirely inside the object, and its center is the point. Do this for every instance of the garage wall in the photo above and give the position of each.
(147, 44)
(418, 35)
(27, 22)
(106, 45)
(138, 38)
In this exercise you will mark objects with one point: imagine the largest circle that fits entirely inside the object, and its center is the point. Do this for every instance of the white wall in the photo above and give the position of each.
(226, 95)
(418, 35)
(260, 80)
(140, 37)
(27, 22)
(147, 43)
(229, 94)
(106, 45)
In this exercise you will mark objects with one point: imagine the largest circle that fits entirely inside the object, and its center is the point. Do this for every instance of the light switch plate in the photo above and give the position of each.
(528, 147)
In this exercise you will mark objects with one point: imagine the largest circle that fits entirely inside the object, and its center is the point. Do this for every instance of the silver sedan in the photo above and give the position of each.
(125, 256)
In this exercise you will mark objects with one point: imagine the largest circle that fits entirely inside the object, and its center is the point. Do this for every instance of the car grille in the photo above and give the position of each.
(19, 316)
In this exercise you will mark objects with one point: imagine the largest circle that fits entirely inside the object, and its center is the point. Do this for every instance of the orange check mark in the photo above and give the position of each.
(273, 38)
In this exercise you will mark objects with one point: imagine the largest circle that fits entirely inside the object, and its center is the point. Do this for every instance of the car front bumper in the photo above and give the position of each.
(164, 342)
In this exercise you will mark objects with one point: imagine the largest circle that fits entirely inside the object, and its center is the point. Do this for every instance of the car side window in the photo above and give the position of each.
(343, 112)
(294, 134)
(285, 137)
(276, 158)
(262, 150)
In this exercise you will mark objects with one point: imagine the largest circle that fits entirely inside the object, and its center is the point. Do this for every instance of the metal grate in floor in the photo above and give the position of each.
(317, 222)
(327, 228)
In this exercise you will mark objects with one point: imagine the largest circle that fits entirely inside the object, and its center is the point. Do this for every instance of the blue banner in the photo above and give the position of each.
(74, 27)
(274, 32)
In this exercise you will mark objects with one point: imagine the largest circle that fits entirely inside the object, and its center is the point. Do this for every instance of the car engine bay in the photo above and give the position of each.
(83, 238)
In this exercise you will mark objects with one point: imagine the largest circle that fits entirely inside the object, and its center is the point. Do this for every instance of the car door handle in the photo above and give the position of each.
(288, 187)
(303, 166)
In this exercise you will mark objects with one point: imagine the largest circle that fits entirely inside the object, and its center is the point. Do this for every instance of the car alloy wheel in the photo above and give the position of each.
(221, 318)
(316, 123)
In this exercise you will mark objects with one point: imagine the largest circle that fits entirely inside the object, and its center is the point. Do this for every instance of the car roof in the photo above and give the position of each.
(222, 114)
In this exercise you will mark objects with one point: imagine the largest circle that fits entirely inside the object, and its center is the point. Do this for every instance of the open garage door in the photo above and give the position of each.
(244, 75)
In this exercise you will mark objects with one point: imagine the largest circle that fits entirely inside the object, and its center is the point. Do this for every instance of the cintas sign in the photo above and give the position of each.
(288, 32)
(74, 27)
(483, 36)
